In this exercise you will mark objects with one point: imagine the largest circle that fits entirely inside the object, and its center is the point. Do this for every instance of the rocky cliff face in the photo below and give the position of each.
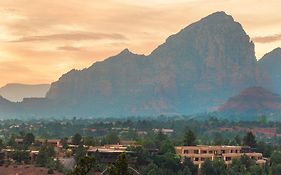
(270, 64)
(252, 102)
(193, 71)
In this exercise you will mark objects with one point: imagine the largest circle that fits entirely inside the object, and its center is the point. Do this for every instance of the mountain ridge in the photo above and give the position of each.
(193, 71)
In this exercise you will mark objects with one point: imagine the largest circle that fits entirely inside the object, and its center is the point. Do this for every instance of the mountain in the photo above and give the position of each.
(17, 92)
(252, 102)
(194, 71)
(270, 63)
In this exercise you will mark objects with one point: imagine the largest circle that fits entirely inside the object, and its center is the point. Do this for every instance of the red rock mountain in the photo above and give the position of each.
(195, 70)
(252, 102)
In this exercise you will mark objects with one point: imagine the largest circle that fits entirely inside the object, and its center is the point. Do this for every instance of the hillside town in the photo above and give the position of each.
(147, 148)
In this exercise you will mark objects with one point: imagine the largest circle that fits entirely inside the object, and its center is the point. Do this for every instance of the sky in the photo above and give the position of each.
(41, 40)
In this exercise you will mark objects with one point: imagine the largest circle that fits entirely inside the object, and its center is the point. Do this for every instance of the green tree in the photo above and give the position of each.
(189, 163)
(1, 144)
(80, 152)
(189, 138)
(219, 139)
(167, 146)
(255, 170)
(276, 169)
(168, 161)
(76, 139)
(64, 143)
(111, 138)
(238, 140)
(28, 139)
(275, 157)
(207, 168)
(186, 171)
(250, 140)
(120, 167)
(246, 162)
(216, 167)
(11, 142)
(20, 156)
(90, 141)
(84, 166)
(219, 167)
(236, 168)
(45, 155)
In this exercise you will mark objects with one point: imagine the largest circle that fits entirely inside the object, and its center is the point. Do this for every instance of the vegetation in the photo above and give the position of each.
(155, 154)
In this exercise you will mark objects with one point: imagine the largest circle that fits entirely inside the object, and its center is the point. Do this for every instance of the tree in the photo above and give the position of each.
(236, 168)
(120, 167)
(64, 143)
(219, 167)
(246, 162)
(1, 144)
(84, 166)
(20, 156)
(28, 139)
(44, 157)
(275, 157)
(186, 171)
(167, 146)
(111, 138)
(188, 163)
(255, 170)
(80, 152)
(219, 139)
(216, 167)
(250, 140)
(237, 140)
(207, 168)
(168, 161)
(189, 138)
(276, 169)
(76, 139)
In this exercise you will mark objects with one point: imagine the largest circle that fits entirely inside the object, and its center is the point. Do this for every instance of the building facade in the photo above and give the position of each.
(198, 154)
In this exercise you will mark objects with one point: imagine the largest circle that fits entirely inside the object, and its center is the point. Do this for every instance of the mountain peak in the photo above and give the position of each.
(125, 52)
(218, 16)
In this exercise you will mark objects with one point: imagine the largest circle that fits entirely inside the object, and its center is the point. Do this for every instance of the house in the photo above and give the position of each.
(198, 154)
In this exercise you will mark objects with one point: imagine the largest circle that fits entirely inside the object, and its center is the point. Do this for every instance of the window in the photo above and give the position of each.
(185, 151)
(228, 158)
(196, 159)
(210, 152)
(196, 151)
(223, 151)
(204, 152)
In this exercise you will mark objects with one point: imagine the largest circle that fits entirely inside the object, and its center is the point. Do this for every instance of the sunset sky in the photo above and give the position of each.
(42, 39)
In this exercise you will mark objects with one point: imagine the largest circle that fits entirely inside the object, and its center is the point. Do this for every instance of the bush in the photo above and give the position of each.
(50, 171)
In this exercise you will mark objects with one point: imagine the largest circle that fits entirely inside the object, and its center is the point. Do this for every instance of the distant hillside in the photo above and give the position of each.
(253, 102)
(270, 64)
(17, 92)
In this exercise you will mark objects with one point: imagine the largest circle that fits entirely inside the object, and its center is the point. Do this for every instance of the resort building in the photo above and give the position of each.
(198, 154)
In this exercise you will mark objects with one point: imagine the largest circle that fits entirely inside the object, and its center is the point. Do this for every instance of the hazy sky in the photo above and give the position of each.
(42, 39)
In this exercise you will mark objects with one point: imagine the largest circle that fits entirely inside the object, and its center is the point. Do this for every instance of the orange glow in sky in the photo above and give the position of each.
(41, 40)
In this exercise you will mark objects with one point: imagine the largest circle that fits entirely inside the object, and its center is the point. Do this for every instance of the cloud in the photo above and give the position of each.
(69, 48)
(267, 39)
(77, 36)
